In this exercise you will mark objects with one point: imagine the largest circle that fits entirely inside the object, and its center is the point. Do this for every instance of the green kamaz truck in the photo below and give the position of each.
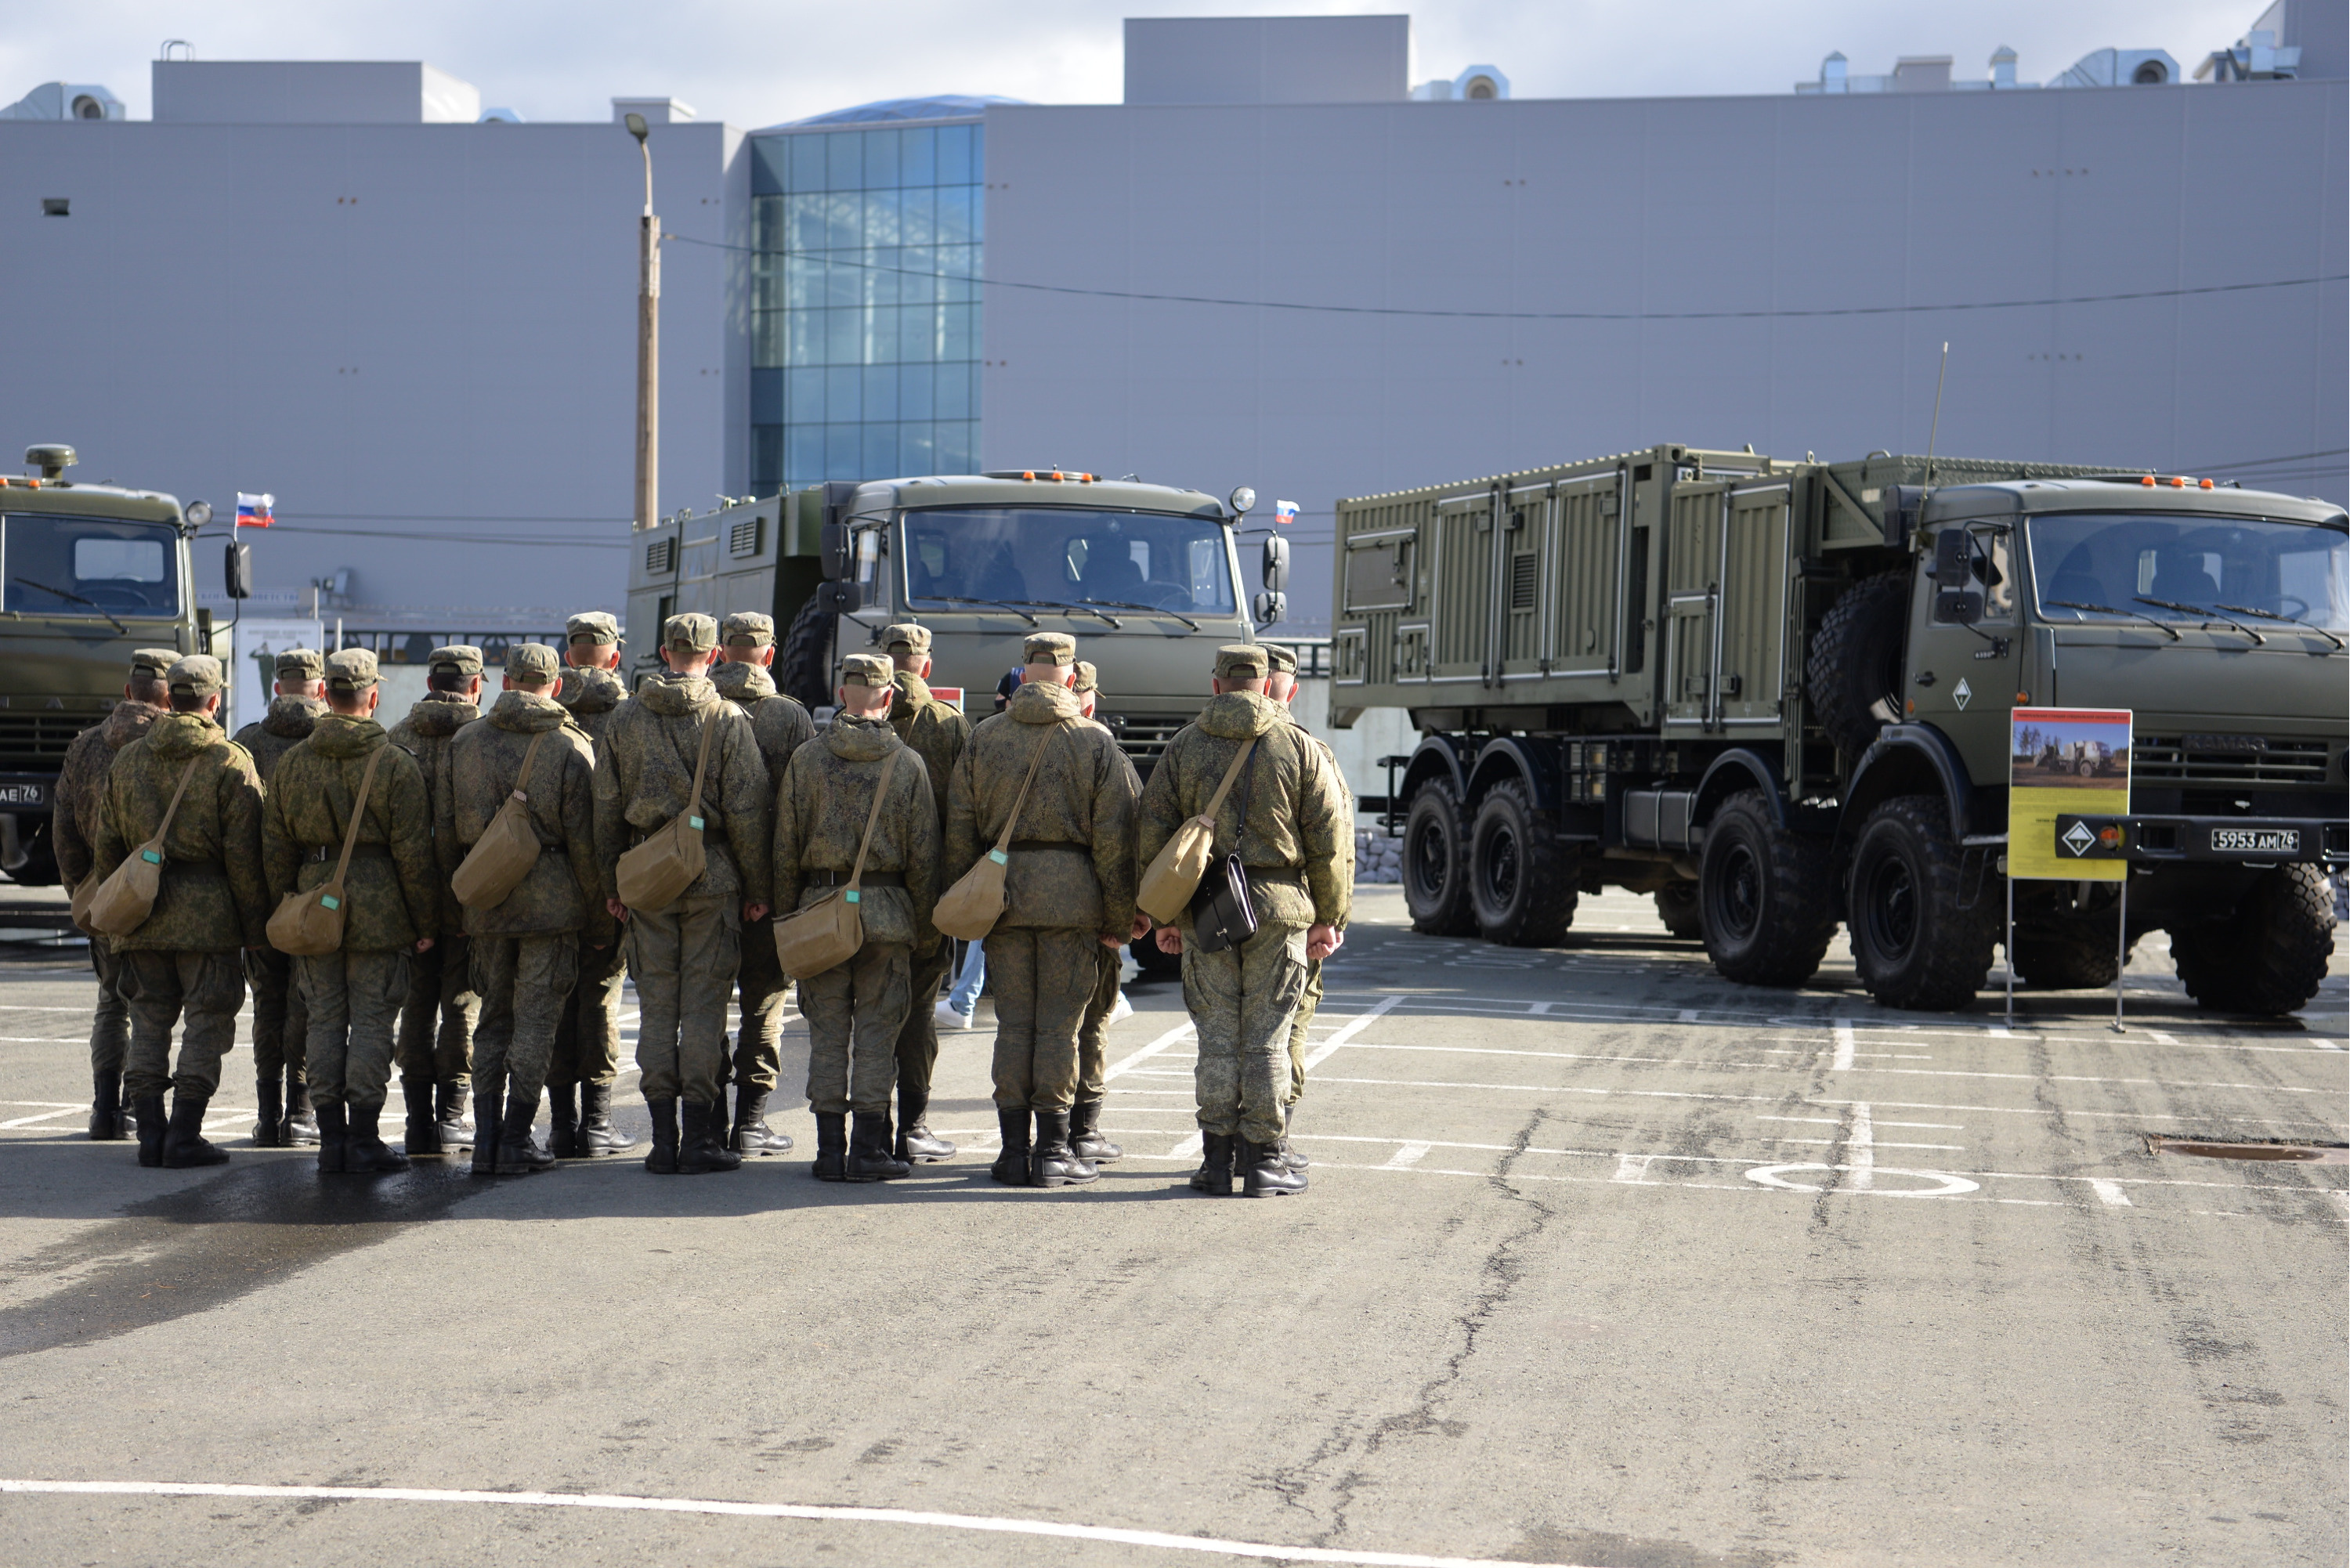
(88, 573)
(1777, 696)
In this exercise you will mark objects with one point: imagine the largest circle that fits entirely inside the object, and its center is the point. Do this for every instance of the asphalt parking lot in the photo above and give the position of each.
(1606, 1261)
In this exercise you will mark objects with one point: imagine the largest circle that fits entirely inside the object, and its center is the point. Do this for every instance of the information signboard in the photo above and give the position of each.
(2070, 762)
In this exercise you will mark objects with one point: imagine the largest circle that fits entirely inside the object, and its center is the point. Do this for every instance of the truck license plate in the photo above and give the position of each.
(24, 792)
(2255, 841)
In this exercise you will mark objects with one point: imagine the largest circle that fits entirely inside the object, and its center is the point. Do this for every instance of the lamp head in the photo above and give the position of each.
(637, 126)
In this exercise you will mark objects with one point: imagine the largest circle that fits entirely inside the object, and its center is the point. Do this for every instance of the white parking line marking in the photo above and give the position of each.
(1633, 1168)
(1860, 1152)
(1322, 1052)
(2109, 1193)
(1189, 1149)
(58, 1109)
(1407, 1157)
(1130, 1064)
(1842, 1061)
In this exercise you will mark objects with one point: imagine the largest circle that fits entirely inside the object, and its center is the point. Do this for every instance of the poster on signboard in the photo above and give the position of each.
(2070, 762)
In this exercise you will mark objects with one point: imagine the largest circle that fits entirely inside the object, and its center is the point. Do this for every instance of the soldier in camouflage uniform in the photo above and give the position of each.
(782, 726)
(938, 733)
(1068, 891)
(586, 1060)
(1283, 820)
(684, 957)
(392, 905)
(281, 1088)
(1108, 1003)
(1281, 685)
(856, 1008)
(436, 1073)
(183, 961)
(80, 797)
(526, 949)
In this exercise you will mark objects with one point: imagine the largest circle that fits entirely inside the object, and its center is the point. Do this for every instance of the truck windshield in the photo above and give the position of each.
(1033, 556)
(2140, 566)
(88, 566)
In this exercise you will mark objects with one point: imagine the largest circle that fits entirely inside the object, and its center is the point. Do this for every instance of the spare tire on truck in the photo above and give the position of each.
(1852, 674)
(803, 664)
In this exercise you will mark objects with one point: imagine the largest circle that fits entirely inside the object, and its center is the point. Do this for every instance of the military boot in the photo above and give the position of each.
(449, 1114)
(1053, 1163)
(301, 1120)
(917, 1145)
(106, 1121)
(662, 1160)
(1011, 1166)
(596, 1133)
(334, 1138)
(702, 1148)
(269, 1118)
(424, 1135)
(1290, 1156)
(831, 1146)
(1084, 1133)
(147, 1110)
(869, 1158)
(184, 1144)
(1214, 1175)
(1264, 1174)
(563, 1121)
(751, 1134)
(518, 1153)
(487, 1129)
(368, 1153)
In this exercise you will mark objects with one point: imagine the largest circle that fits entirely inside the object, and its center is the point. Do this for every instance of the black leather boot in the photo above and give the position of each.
(184, 1144)
(662, 1160)
(449, 1116)
(368, 1153)
(917, 1145)
(333, 1139)
(518, 1153)
(486, 1128)
(751, 1134)
(269, 1118)
(831, 1146)
(148, 1112)
(1264, 1174)
(1084, 1133)
(596, 1133)
(702, 1148)
(106, 1122)
(563, 1121)
(423, 1134)
(1053, 1163)
(301, 1119)
(1011, 1166)
(869, 1158)
(1214, 1175)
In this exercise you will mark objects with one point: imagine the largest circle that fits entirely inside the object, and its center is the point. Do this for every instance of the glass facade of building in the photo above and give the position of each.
(866, 319)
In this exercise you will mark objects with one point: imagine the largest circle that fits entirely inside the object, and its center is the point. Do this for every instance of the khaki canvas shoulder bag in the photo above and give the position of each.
(968, 910)
(307, 925)
(828, 933)
(1174, 873)
(121, 903)
(506, 850)
(656, 873)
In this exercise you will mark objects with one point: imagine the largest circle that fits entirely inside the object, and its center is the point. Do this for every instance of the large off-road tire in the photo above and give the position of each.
(803, 666)
(2272, 957)
(1852, 674)
(1436, 862)
(1912, 944)
(2071, 960)
(1767, 895)
(1522, 880)
(1681, 909)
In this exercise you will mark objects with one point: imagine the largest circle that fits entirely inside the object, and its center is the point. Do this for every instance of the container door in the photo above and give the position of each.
(1750, 667)
(1463, 592)
(1521, 609)
(1693, 540)
(1587, 578)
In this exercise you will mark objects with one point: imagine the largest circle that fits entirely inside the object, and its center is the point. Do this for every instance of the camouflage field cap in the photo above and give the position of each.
(905, 636)
(747, 628)
(1240, 661)
(350, 670)
(865, 669)
(152, 663)
(592, 626)
(457, 658)
(1049, 648)
(1281, 659)
(689, 633)
(1087, 677)
(301, 664)
(193, 675)
(532, 662)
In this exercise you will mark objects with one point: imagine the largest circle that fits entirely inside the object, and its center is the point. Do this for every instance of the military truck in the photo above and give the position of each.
(1776, 695)
(92, 571)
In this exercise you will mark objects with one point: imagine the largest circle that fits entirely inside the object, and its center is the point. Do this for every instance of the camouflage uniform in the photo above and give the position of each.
(441, 999)
(1068, 883)
(526, 949)
(938, 732)
(684, 957)
(279, 1019)
(182, 960)
(1283, 660)
(1093, 1082)
(587, 1040)
(781, 725)
(73, 824)
(393, 892)
(1295, 843)
(856, 1010)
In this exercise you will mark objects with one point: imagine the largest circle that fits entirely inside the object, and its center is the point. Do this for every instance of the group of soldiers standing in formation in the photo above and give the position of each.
(520, 999)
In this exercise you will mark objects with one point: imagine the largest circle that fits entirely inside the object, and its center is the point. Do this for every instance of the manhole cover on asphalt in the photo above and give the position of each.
(2250, 1148)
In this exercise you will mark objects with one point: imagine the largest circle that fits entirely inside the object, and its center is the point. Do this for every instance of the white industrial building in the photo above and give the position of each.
(1278, 262)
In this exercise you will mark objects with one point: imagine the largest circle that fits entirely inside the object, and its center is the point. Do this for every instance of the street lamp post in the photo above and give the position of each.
(648, 340)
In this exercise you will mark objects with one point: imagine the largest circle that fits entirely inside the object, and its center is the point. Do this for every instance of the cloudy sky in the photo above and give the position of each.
(758, 62)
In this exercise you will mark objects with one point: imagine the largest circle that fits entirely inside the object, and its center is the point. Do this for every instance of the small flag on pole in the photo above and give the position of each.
(253, 511)
(1284, 513)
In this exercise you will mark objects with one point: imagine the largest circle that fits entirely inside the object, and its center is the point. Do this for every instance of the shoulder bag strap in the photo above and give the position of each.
(708, 728)
(172, 810)
(523, 777)
(880, 794)
(359, 812)
(1231, 776)
(1248, 788)
(1019, 803)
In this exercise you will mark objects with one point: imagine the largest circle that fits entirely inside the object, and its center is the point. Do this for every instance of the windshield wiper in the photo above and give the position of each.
(2258, 640)
(1146, 610)
(2289, 620)
(76, 599)
(2109, 609)
(999, 603)
(1114, 624)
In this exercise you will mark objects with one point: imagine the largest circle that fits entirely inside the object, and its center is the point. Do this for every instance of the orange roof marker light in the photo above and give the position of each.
(2176, 482)
(2204, 482)
(2147, 480)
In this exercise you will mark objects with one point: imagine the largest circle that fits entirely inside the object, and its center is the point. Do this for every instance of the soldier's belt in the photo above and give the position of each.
(713, 832)
(1030, 845)
(324, 854)
(872, 879)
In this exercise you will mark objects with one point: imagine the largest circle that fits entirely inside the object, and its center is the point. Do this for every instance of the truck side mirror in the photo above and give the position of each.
(1276, 570)
(1272, 606)
(238, 572)
(833, 546)
(1958, 606)
(840, 598)
(1954, 558)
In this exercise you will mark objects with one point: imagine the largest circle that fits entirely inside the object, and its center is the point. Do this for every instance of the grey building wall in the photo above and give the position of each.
(1267, 60)
(1644, 208)
(309, 92)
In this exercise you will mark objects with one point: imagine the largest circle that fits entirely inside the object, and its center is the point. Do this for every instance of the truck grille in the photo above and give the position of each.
(1143, 736)
(2249, 760)
(24, 736)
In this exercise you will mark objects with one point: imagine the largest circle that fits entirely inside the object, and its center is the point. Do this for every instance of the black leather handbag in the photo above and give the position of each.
(1222, 914)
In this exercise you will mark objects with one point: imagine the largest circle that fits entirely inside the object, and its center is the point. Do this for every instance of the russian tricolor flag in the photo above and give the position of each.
(253, 511)
(1284, 513)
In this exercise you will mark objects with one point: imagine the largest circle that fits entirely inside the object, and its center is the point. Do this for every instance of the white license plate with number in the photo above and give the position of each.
(23, 794)
(2256, 841)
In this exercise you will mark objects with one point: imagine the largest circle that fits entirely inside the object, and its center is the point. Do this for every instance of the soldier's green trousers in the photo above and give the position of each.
(1241, 1003)
(855, 1012)
(684, 960)
(522, 982)
(109, 1020)
(587, 1040)
(758, 1037)
(1043, 980)
(438, 1019)
(1091, 1084)
(354, 1000)
(281, 1021)
(918, 1037)
(200, 993)
(1307, 1003)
